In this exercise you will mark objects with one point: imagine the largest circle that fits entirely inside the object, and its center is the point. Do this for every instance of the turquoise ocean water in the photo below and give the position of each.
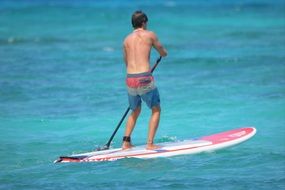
(62, 92)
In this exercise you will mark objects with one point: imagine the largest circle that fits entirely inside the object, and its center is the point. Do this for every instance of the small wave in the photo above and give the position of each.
(170, 4)
(167, 139)
(108, 49)
(19, 40)
(246, 34)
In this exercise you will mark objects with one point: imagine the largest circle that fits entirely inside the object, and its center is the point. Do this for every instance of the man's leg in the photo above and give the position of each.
(130, 126)
(153, 125)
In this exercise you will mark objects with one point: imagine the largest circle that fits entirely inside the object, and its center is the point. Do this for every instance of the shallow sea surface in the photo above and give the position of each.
(62, 91)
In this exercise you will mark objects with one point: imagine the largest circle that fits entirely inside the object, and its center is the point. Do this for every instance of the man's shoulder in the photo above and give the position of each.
(127, 38)
(150, 33)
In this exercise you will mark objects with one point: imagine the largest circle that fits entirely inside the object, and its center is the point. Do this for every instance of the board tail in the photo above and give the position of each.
(70, 159)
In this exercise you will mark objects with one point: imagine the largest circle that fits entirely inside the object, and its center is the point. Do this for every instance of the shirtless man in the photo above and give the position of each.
(140, 82)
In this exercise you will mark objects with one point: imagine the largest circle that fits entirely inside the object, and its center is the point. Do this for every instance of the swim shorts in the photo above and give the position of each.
(141, 87)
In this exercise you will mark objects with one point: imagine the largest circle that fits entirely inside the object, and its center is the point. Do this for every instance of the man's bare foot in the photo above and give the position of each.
(152, 147)
(127, 145)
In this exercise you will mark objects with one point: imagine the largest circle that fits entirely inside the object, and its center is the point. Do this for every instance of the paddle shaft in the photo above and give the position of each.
(126, 113)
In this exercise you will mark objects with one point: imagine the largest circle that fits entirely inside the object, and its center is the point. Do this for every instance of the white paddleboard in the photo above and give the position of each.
(207, 143)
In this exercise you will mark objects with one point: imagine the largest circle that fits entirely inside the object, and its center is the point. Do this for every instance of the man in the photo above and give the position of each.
(140, 82)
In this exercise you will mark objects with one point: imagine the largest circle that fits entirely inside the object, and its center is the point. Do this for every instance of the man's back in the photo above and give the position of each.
(137, 47)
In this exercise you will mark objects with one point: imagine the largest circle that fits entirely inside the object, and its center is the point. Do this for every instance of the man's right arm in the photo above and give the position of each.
(158, 46)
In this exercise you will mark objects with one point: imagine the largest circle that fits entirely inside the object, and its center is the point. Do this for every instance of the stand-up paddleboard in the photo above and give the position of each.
(207, 143)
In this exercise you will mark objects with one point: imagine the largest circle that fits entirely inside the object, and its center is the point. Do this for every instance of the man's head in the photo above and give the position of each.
(139, 19)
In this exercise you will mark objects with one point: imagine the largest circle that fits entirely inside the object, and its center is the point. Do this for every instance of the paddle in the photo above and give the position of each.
(107, 146)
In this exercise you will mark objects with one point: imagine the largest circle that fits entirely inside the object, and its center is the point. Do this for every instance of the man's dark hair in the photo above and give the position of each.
(138, 19)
